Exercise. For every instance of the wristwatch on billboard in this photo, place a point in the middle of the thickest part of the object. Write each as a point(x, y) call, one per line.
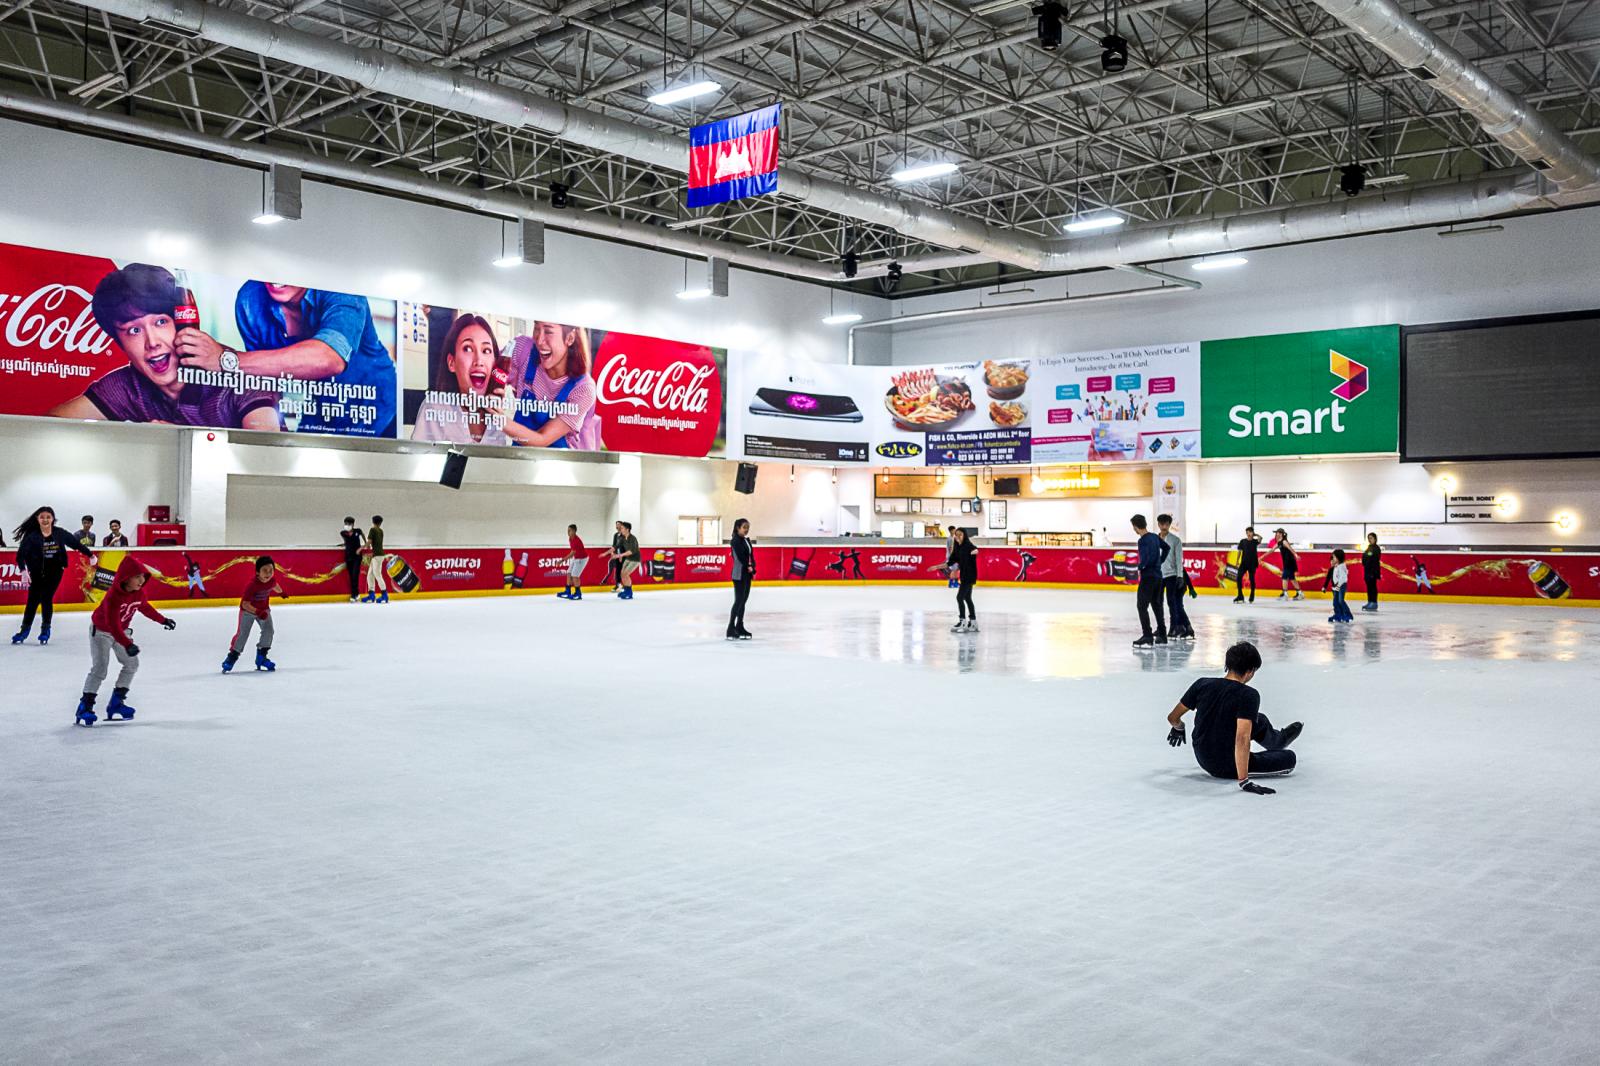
point(229, 361)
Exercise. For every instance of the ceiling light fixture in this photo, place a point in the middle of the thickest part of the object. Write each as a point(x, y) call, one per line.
point(1113, 53)
point(1211, 114)
point(1049, 33)
point(694, 294)
point(280, 195)
point(668, 97)
point(1388, 179)
point(1352, 179)
point(1094, 222)
point(843, 318)
point(444, 164)
point(925, 171)
point(1226, 262)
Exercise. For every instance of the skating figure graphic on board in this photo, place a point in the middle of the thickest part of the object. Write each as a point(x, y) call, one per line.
point(1423, 583)
point(197, 584)
point(854, 558)
point(1027, 561)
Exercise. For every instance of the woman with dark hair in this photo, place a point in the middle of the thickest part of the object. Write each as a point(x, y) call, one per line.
point(555, 402)
point(963, 566)
point(1372, 570)
point(1291, 562)
point(744, 571)
point(464, 407)
point(42, 548)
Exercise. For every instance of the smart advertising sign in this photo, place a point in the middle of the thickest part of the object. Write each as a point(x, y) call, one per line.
point(1324, 393)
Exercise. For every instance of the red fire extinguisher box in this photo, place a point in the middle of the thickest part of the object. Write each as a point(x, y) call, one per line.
point(156, 534)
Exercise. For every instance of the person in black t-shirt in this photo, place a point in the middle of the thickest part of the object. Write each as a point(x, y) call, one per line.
point(1249, 562)
point(1227, 718)
point(352, 539)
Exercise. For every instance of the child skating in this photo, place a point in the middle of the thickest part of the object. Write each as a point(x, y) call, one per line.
point(1339, 580)
point(110, 633)
point(255, 608)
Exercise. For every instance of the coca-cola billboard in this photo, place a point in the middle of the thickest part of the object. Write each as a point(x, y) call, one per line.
point(50, 347)
point(658, 396)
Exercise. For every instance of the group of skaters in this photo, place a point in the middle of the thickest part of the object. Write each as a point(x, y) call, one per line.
point(1336, 581)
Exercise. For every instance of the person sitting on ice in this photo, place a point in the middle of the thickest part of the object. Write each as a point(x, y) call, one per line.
point(1227, 717)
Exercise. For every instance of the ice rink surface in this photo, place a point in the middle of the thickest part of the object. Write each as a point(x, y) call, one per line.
point(526, 831)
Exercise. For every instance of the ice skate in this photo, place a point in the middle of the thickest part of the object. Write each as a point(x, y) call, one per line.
point(745, 634)
point(383, 597)
point(264, 663)
point(22, 635)
point(1143, 644)
point(44, 635)
point(86, 715)
point(371, 597)
point(227, 664)
point(118, 707)
point(972, 625)
point(960, 626)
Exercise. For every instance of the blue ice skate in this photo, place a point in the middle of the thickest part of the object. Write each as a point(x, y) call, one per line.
point(264, 663)
point(369, 598)
point(227, 664)
point(22, 635)
point(383, 597)
point(118, 707)
point(44, 635)
point(86, 715)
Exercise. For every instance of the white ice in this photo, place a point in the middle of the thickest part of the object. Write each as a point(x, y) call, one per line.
point(527, 831)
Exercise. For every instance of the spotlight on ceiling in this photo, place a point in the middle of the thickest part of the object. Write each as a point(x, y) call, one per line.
point(894, 272)
point(558, 195)
point(851, 262)
point(1352, 179)
point(1049, 16)
point(1113, 53)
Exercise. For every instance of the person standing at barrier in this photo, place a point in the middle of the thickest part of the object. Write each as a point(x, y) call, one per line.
point(1153, 551)
point(1372, 570)
point(576, 560)
point(962, 564)
point(744, 572)
point(1172, 580)
point(352, 540)
point(1249, 562)
point(255, 609)
point(377, 586)
point(42, 548)
point(116, 538)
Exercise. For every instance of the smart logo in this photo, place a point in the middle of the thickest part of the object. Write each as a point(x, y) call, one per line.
point(1263, 396)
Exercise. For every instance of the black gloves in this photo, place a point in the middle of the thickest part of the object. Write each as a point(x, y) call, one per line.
point(1261, 790)
point(132, 650)
point(1176, 736)
point(169, 625)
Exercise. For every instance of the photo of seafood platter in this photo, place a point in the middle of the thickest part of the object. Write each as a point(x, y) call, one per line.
point(923, 399)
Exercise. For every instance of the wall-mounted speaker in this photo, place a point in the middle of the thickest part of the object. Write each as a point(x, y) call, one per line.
point(455, 467)
point(745, 480)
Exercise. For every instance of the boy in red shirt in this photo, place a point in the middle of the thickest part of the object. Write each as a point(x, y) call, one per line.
point(255, 608)
point(110, 634)
point(576, 560)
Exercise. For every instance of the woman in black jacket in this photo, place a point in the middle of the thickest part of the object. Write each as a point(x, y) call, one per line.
point(42, 548)
point(963, 564)
point(744, 572)
point(1372, 570)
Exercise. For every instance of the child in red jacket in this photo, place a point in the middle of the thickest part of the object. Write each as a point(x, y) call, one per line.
point(110, 633)
point(255, 608)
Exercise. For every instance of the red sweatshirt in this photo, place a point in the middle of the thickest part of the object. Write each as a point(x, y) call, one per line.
point(257, 598)
point(116, 611)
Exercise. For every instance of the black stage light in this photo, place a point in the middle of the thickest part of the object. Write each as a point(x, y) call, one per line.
point(850, 262)
point(1049, 16)
point(1352, 179)
point(1113, 53)
point(893, 273)
point(558, 195)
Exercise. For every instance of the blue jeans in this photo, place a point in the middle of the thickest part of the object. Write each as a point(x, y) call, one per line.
point(1341, 610)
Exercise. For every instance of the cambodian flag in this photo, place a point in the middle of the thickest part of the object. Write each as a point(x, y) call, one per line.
point(734, 158)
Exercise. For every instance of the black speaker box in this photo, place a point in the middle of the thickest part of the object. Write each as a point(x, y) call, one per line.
point(455, 467)
point(745, 480)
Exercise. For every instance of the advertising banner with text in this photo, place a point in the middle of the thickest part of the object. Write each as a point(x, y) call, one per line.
point(1330, 392)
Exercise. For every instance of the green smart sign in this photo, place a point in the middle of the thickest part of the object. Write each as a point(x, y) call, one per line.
point(1323, 393)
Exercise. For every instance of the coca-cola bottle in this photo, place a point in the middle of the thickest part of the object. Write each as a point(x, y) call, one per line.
point(186, 310)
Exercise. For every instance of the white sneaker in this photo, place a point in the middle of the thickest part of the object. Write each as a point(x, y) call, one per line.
point(959, 627)
point(972, 625)
point(1299, 596)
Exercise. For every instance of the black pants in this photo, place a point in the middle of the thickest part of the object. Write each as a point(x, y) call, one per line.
point(1275, 760)
point(1150, 596)
point(352, 570)
point(1251, 574)
point(964, 600)
point(614, 573)
point(741, 594)
point(1372, 586)
point(1174, 588)
point(41, 597)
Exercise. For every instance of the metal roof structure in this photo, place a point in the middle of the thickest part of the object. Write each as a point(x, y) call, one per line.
point(1224, 107)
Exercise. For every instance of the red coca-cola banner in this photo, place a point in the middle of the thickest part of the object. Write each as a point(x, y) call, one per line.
point(657, 396)
point(220, 574)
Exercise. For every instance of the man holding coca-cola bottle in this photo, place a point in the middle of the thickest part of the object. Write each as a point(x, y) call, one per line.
point(146, 311)
point(312, 335)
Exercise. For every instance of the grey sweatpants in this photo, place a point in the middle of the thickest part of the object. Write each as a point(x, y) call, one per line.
point(101, 649)
point(241, 636)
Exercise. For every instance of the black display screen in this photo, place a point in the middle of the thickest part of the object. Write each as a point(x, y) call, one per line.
point(1507, 389)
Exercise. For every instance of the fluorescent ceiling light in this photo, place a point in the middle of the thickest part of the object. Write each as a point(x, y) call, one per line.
point(687, 223)
point(444, 164)
point(267, 218)
point(925, 171)
point(1094, 222)
point(1388, 179)
point(694, 294)
point(843, 318)
point(95, 86)
point(1210, 114)
point(1226, 262)
point(668, 97)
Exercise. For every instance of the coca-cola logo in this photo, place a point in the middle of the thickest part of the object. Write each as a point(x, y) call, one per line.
point(53, 316)
point(680, 386)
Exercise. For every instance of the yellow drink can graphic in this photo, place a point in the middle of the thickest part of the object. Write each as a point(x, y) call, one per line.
point(405, 579)
point(1546, 582)
point(1230, 572)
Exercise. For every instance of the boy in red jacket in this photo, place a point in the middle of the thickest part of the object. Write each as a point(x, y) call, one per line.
point(110, 633)
point(255, 608)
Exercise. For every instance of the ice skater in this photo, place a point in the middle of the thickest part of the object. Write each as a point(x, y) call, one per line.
point(255, 609)
point(614, 561)
point(352, 540)
point(377, 585)
point(1172, 577)
point(1372, 570)
point(1153, 552)
point(1339, 579)
point(42, 548)
point(962, 564)
point(1227, 717)
point(627, 555)
point(197, 581)
point(1249, 562)
point(1291, 563)
point(744, 572)
point(575, 560)
point(111, 633)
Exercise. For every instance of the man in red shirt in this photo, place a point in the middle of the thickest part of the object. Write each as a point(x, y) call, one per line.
point(110, 633)
point(255, 608)
point(576, 560)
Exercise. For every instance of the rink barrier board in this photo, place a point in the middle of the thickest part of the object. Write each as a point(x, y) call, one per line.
point(219, 575)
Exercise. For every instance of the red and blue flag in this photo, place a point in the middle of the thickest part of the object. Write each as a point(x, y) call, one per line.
point(734, 158)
